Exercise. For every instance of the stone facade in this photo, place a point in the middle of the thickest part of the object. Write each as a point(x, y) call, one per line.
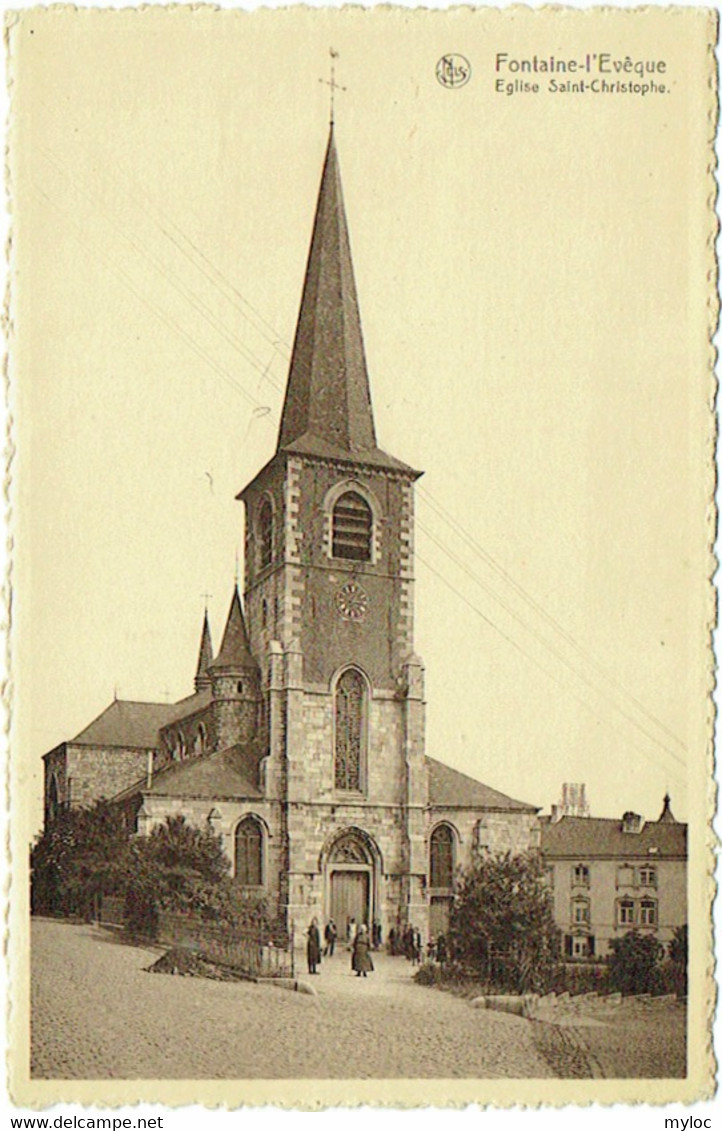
point(305, 739)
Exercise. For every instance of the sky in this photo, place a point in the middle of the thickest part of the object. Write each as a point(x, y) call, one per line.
point(531, 276)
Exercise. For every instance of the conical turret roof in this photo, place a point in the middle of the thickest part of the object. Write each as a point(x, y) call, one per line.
point(667, 817)
point(205, 653)
point(235, 651)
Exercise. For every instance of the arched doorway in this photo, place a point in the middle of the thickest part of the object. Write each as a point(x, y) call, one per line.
point(350, 880)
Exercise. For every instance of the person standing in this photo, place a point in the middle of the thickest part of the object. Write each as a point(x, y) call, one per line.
point(330, 935)
point(351, 932)
point(361, 961)
point(313, 946)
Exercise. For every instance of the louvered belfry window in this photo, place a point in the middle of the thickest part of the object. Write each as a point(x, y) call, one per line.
point(349, 707)
point(352, 528)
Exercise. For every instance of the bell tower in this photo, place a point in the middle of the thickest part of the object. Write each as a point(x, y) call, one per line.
point(329, 577)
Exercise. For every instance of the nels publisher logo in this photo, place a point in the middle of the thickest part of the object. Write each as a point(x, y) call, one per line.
point(453, 71)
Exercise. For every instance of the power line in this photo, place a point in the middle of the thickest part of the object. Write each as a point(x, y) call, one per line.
point(550, 647)
point(550, 675)
point(541, 611)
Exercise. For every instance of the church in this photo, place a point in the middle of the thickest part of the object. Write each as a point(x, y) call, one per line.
point(303, 743)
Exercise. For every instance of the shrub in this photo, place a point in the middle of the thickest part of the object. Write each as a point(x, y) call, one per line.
point(634, 964)
point(502, 924)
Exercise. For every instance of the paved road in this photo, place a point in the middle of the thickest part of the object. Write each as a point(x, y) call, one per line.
point(97, 1014)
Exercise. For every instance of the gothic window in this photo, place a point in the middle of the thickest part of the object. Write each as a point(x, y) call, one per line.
point(442, 857)
point(265, 531)
point(199, 742)
point(352, 528)
point(249, 853)
point(53, 800)
point(264, 612)
point(350, 701)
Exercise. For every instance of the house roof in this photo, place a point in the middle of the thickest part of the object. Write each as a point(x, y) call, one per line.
point(230, 773)
point(602, 836)
point(126, 723)
point(453, 790)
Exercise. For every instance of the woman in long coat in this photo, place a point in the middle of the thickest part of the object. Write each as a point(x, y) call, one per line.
point(313, 947)
point(361, 960)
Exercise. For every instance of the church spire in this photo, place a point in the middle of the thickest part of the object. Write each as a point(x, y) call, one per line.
point(328, 398)
point(235, 652)
point(205, 656)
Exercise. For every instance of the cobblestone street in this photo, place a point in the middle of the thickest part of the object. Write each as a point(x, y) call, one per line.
point(97, 1014)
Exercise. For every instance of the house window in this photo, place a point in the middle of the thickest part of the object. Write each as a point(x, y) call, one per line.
point(625, 876)
point(580, 911)
point(249, 853)
point(648, 913)
point(352, 528)
point(625, 912)
point(265, 531)
point(442, 857)
point(349, 708)
point(580, 875)
point(582, 947)
point(648, 877)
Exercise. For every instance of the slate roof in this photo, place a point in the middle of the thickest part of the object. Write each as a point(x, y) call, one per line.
point(327, 410)
point(227, 774)
point(126, 723)
point(453, 790)
point(603, 837)
point(205, 652)
point(235, 649)
point(188, 706)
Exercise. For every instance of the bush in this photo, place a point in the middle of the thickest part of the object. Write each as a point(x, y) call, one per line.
point(634, 964)
point(502, 923)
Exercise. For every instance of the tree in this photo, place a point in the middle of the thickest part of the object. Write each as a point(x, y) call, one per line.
point(678, 949)
point(502, 923)
point(80, 855)
point(634, 963)
point(177, 867)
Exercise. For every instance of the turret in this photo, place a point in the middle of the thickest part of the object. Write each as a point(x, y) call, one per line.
point(235, 680)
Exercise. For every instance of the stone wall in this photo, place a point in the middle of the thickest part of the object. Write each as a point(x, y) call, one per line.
point(87, 773)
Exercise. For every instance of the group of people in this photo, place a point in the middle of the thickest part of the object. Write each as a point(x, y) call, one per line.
point(360, 943)
point(358, 940)
point(409, 943)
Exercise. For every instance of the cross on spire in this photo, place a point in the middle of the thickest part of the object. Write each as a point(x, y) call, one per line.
point(332, 82)
point(206, 598)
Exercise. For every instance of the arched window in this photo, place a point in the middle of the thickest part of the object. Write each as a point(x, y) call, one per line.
point(442, 857)
point(352, 528)
point(199, 742)
point(265, 531)
point(349, 706)
point(53, 799)
point(249, 853)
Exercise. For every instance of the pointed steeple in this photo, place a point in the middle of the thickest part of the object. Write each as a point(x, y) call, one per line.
point(328, 398)
point(235, 652)
point(205, 656)
point(667, 817)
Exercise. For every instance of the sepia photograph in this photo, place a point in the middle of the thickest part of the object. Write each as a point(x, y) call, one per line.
point(361, 493)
